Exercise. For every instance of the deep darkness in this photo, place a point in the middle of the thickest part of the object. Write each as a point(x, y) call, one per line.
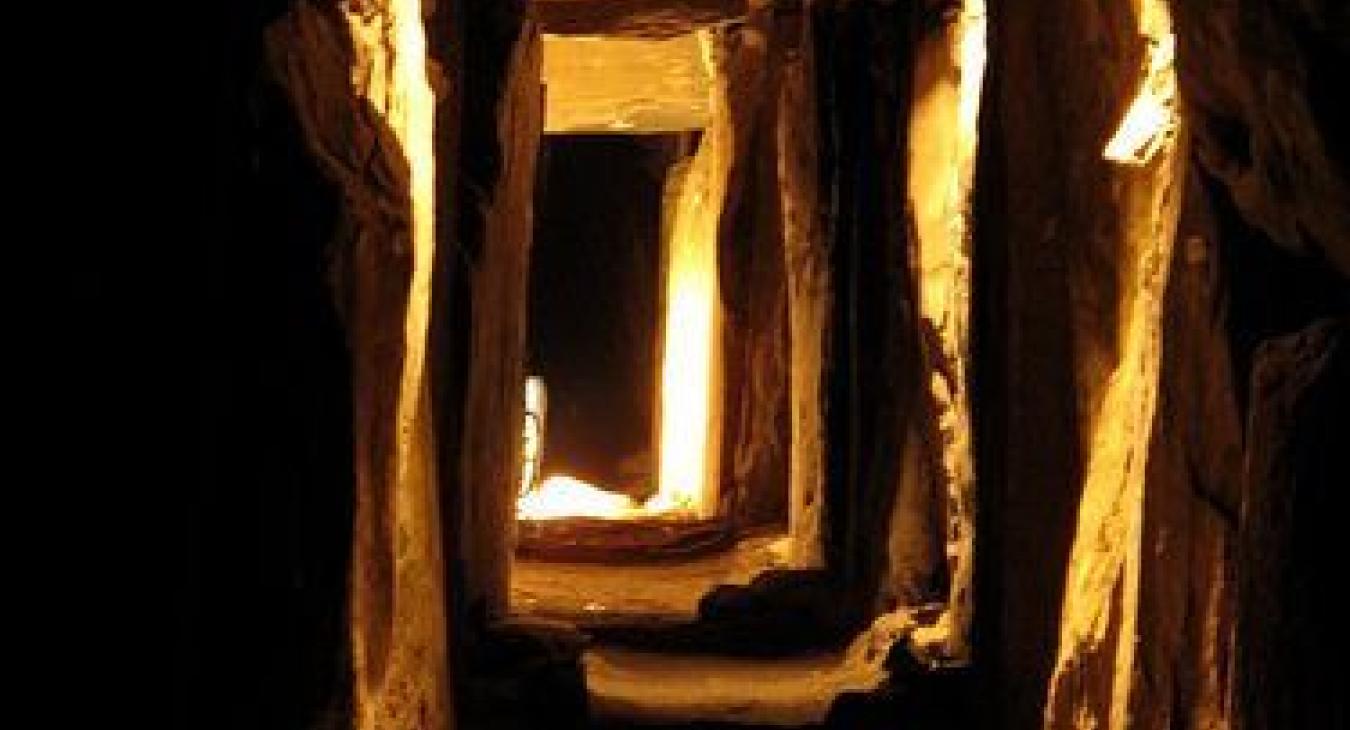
point(270, 527)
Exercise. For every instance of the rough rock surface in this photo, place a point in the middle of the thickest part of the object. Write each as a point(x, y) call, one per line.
point(1262, 81)
point(1085, 246)
point(1124, 567)
point(1148, 561)
point(750, 267)
point(497, 225)
point(939, 492)
point(1188, 591)
point(1289, 627)
point(805, 265)
point(641, 18)
point(269, 487)
point(872, 363)
point(625, 85)
point(359, 87)
point(527, 674)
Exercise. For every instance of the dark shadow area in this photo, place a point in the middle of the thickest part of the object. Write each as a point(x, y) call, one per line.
point(1270, 290)
point(989, 388)
point(272, 509)
point(1312, 590)
point(862, 58)
point(1290, 622)
point(1029, 462)
point(780, 613)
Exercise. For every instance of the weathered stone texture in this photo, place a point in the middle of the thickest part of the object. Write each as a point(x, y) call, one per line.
point(359, 86)
point(498, 228)
point(1188, 577)
point(1263, 82)
point(1293, 493)
point(948, 71)
point(639, 18)
point(1087, 252)
point(626, 85)
point(805, 265)
point(755, 343)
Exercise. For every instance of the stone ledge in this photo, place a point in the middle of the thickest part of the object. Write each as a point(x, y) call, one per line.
point(636, 18)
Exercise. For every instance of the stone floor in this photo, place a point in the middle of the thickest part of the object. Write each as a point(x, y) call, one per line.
point(641, 682)
point(594, 594)
point(649, 687)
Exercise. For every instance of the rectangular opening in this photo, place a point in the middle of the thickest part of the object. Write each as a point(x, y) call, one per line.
point(594, 324)
point(624, 511)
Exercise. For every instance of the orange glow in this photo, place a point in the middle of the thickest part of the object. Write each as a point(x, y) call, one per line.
point(565, 496)
point(690, 358)
point(562, 496)
point(1101, 608)
point(612, 84)
point(690, 354)
point(944, 134)
point(689, 379)
point(690, 363)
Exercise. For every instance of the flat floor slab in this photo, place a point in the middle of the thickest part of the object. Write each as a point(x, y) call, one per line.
point(597, 594)
point(649, 687)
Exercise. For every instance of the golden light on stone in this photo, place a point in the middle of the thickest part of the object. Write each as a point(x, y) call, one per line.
point(617, 85)
point(943, 128)
point(1100, 610)
point(1151, 117)
point(689, 360)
